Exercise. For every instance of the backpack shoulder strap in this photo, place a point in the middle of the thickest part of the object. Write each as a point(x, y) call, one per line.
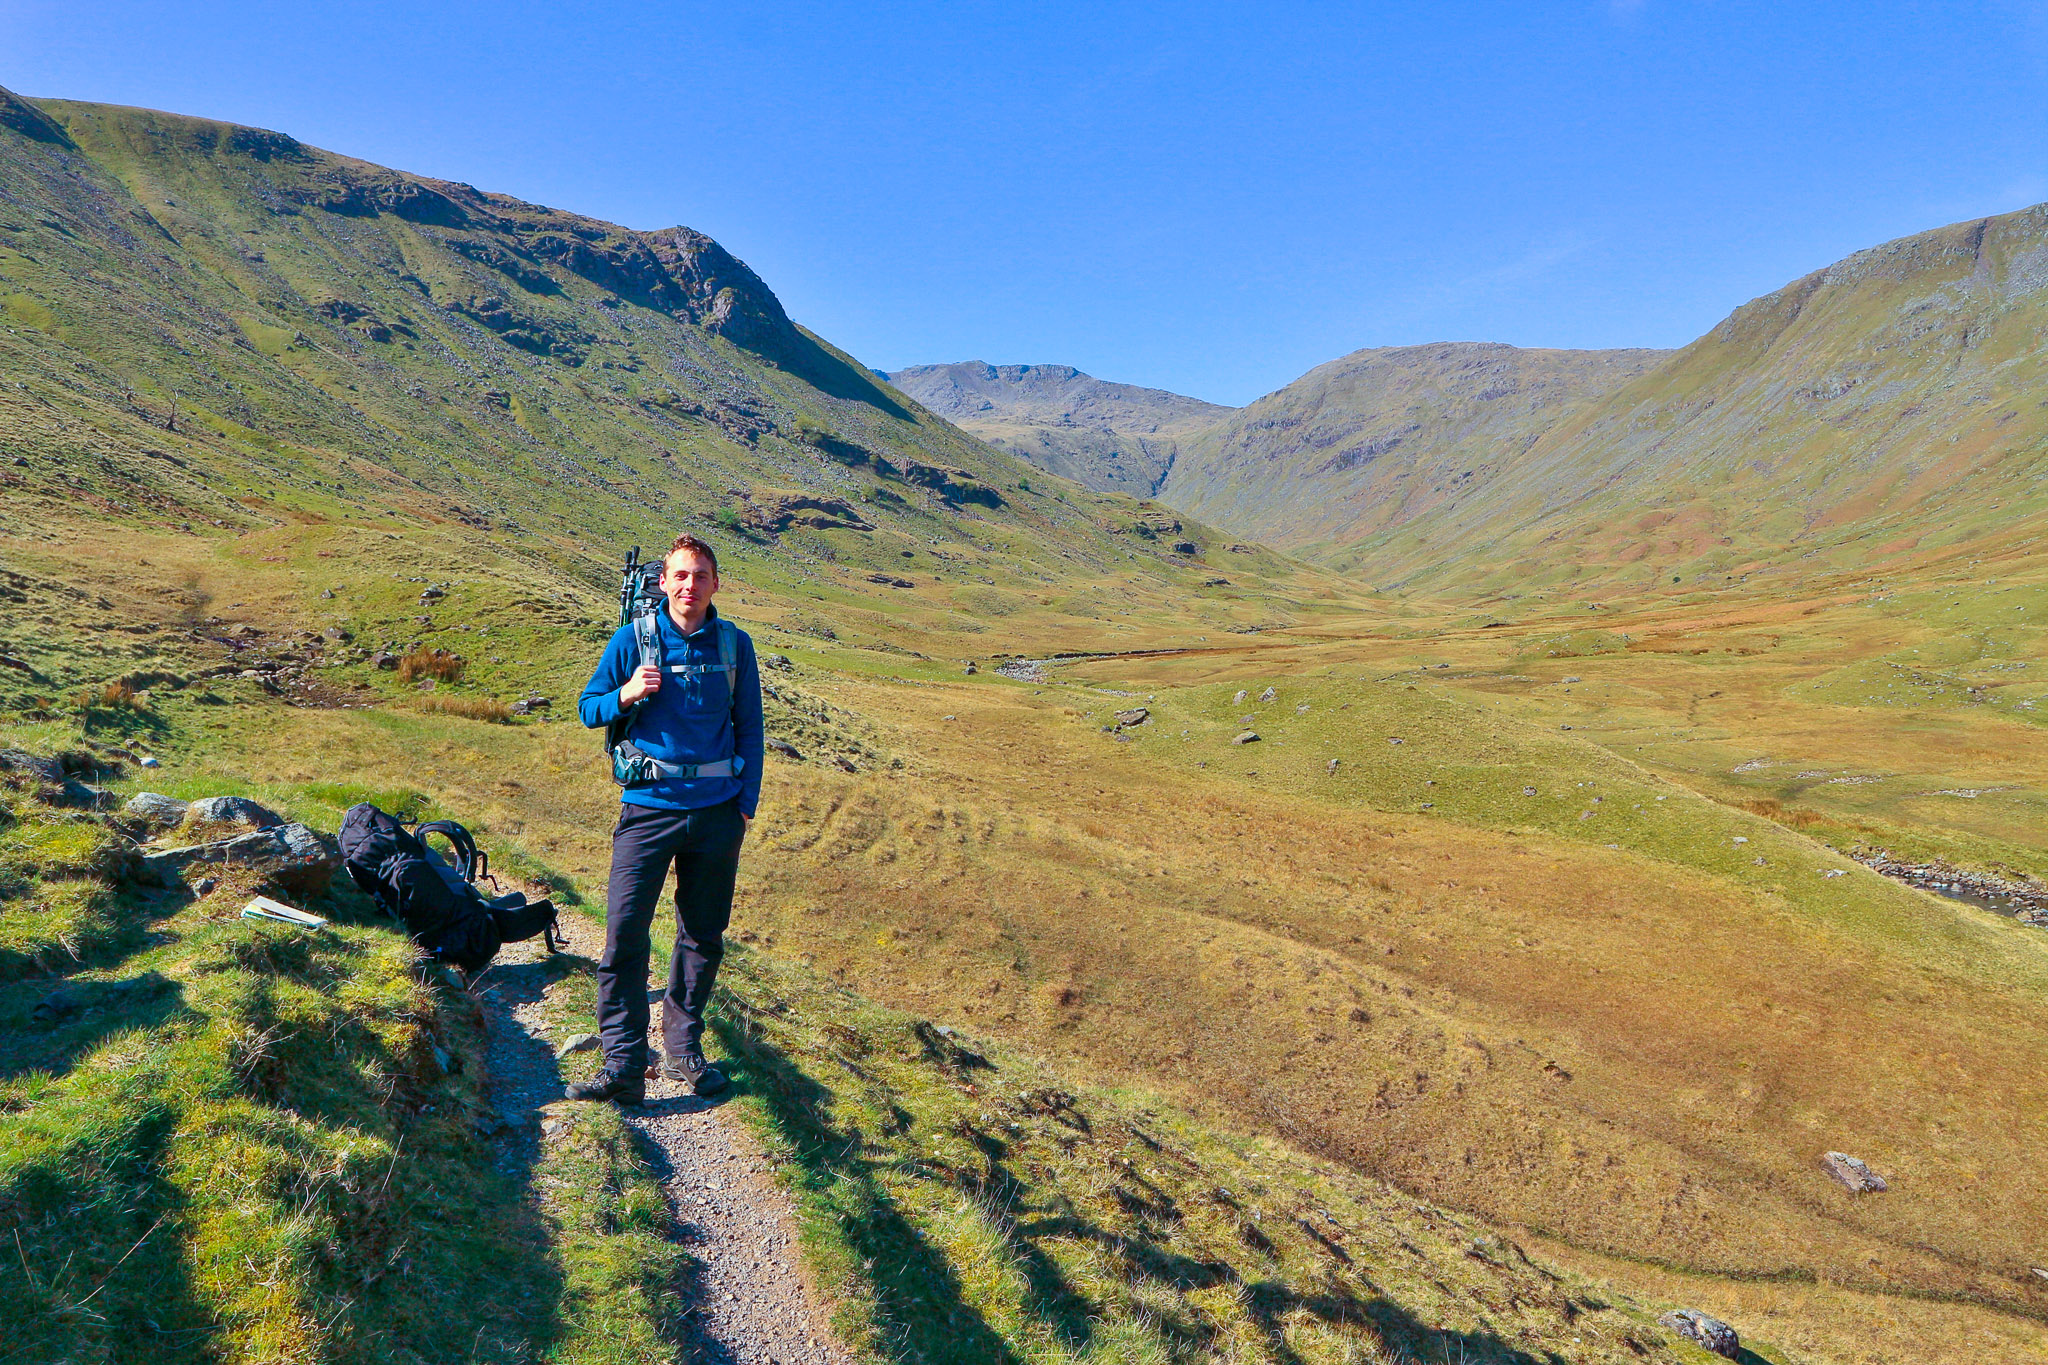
point(647, 635)
point(469, 861)
point(729, 657)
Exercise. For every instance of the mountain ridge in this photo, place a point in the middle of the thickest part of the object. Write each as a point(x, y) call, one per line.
point(1870, 411)
point(1874, 408)
point(1455, 412)
point(223, 328)
point(1103, 435)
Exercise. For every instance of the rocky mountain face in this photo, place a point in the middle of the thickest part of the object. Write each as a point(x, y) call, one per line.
point(219, 326)
point(1110, 437)
point(1886, 407)
point(1385, 435)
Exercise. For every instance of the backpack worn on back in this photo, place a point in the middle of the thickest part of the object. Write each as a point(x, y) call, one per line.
point(639, 600)
point(436, 900)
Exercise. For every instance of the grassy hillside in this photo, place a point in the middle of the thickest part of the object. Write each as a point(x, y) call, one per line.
point(224, 1140)
point(1111, 437)
point(1384, 436)
point(1869, 415)
point(1478, 965)
point(219, 333)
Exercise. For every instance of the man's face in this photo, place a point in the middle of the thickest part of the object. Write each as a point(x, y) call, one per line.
point(688, 581)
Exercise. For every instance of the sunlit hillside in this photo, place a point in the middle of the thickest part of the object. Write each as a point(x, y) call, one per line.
point(1151, 947)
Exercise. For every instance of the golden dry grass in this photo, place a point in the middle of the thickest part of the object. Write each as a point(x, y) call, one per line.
point(469, 708)
point(1640, 1049)
point(1630, 1052)
point(438, 664)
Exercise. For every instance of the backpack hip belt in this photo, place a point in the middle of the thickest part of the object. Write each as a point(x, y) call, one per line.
point(645, 767)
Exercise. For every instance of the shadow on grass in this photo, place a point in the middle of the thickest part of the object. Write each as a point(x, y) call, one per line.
point(99, 1270)
point(48, 1026)
point(1000, 1194)
point(1403, 1332)
point(450, 1239)
point(802, 355)
point(124, 722)
point(113, 929)
point(920, 1311)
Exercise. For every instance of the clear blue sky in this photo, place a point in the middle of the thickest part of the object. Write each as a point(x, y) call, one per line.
point(1210, 198)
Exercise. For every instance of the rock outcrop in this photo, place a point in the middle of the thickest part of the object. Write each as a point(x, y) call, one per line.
point(157, 811)
point(818, 511)
point(234, 810)
point(1701, 1330)
point(1853, 1174)
point(294, 856)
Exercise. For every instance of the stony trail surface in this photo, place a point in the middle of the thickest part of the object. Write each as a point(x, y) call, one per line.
point(749, 1301)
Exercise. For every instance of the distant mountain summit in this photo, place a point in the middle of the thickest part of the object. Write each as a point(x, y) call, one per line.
point(1114, 438)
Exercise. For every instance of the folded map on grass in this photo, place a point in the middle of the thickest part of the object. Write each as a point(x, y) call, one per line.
point(263, 907)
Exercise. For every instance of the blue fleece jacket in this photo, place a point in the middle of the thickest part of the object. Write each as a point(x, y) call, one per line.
point(691, 719)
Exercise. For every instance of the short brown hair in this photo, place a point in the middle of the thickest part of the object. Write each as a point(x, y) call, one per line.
point(686, 541)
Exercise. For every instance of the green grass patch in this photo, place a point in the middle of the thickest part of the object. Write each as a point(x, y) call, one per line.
point(240, 1141)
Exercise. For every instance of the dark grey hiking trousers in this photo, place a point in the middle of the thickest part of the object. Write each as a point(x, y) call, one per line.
point(703, 847)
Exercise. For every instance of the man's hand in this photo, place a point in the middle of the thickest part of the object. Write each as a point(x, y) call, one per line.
point(645, 682)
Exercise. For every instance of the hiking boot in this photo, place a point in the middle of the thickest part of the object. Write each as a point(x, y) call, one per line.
point(692, 1070)
point(621, 1085)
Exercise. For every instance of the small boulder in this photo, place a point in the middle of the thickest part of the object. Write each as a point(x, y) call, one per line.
point(846, 764)
point(1137, 715)
point(384, 659)
point(574, 1043)
point(234, 810)
point(1248, 737)
point(297, 858)
point(1268, 695)
point(1853, 1174)
point(337, 635)
point(156, 810)
point(1333, 765)
point(785, 748)
point(779, 662)
point(430, 593)
point(50, 782)
point(970, 670)
point(1238, 700)
point(56, 1007)
point(1711, 1333)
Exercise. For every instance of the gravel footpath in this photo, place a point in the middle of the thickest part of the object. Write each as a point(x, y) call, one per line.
point(750, 1303)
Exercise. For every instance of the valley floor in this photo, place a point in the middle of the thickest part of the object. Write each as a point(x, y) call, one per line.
point(1554, 924)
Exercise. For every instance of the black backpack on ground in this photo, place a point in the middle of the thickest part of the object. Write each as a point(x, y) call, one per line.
point(436, 900)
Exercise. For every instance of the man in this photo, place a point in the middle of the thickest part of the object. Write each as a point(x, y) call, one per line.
point(701, 724)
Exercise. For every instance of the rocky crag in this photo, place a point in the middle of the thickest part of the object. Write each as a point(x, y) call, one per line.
point(1115, 438)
